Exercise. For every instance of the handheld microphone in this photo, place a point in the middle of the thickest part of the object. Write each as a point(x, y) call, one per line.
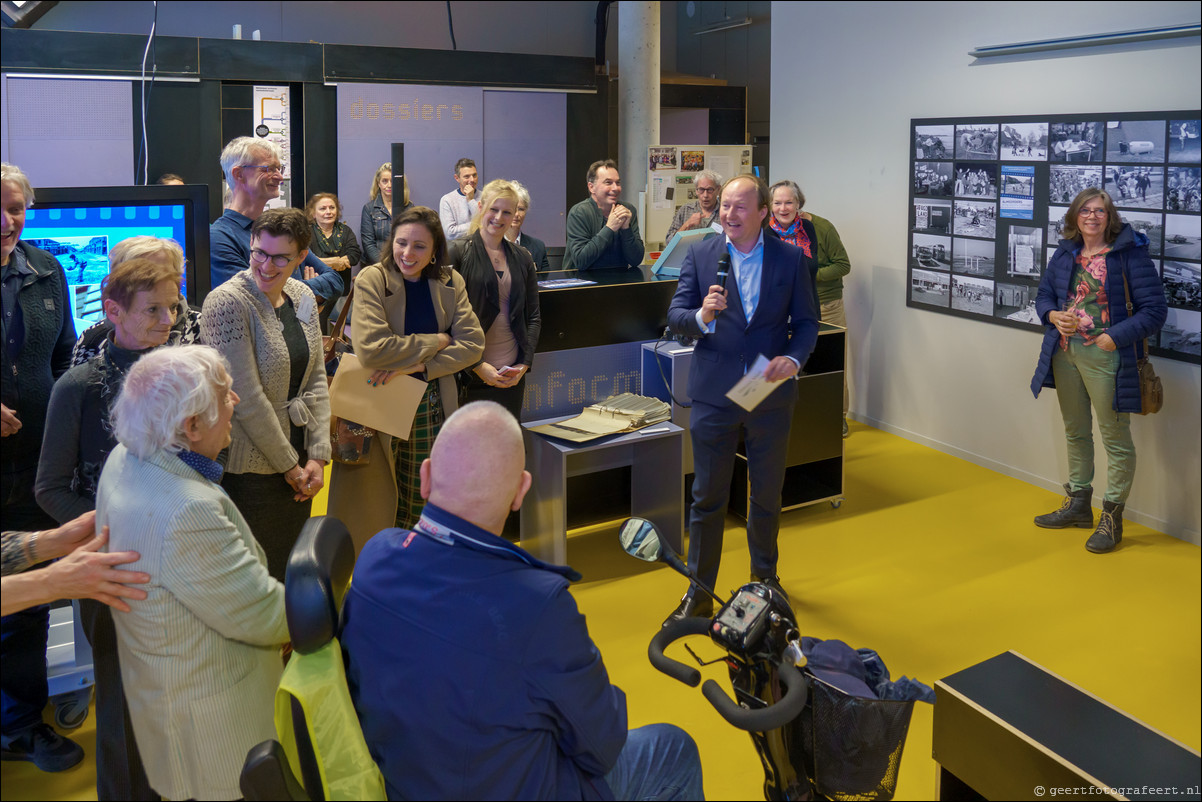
point(723, 272)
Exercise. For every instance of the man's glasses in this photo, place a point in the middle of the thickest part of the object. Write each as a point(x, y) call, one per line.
point(267, 168)
point(259, 256)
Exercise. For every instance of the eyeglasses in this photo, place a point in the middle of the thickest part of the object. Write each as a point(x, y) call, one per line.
point(267, 168)
point(707, 190)
point(260, 256)
point(1092, 213)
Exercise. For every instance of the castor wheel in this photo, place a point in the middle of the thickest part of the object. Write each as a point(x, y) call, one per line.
point(71, 710)
point(836, 503)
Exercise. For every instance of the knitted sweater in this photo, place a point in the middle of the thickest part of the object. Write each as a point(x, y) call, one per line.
point(831, 256)
point(241, 323)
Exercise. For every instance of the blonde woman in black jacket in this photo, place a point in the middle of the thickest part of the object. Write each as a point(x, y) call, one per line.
point(503, 290)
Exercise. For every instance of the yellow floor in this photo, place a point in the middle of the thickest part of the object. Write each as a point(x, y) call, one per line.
point(933, 562)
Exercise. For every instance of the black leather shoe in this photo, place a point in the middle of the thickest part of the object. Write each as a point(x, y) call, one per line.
point(691, 607)
point(772, 582)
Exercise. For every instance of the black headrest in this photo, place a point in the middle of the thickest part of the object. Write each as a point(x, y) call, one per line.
point(319, 572)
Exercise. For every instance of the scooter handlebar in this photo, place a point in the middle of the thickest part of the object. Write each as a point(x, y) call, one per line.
point(674, 632)
point(768, 718)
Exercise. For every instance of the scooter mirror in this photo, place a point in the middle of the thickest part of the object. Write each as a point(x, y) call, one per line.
point(639, 538)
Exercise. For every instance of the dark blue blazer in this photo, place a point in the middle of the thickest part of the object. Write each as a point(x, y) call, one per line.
point(784, 323)
point(538, 252)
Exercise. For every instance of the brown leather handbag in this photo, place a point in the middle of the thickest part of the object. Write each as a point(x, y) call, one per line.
point(1151, 392)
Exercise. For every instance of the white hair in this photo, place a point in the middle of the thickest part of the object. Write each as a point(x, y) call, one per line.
point(711, 175)
point(238, 152)
point(523, 193)
point(12, 173)
point(162, 391)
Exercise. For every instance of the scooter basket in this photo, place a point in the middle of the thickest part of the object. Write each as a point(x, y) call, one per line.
point(853, 746)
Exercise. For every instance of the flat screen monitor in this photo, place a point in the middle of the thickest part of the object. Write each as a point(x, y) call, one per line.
point(79, 226)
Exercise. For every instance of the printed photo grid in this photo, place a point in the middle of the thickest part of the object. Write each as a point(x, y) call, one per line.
point(988, 198)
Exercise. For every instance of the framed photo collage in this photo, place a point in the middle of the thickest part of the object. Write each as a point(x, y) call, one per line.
point(988, 197)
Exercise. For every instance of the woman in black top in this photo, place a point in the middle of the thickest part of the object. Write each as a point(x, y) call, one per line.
point(375, 224)
point(503, 290)
point(333, 243)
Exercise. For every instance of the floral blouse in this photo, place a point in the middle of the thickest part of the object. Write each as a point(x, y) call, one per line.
point(1089, 302)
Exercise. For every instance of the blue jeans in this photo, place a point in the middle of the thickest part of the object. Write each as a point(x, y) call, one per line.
point(659, 761)
point(1085, 377)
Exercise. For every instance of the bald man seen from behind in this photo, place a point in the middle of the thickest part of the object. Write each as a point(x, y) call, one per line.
point(488, 685)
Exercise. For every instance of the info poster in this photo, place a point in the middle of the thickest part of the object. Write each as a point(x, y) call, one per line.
point(272, 122)
point(1018, 191)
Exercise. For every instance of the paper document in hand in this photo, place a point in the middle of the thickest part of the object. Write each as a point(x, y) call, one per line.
point(387, 408)
point(753, 387)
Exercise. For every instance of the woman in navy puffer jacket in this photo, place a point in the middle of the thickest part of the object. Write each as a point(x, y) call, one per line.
point(1090, 349)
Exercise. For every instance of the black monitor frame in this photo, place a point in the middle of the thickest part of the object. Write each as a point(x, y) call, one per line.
point(194, 198)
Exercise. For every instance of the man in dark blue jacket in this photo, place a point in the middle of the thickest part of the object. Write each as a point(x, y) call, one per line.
point(767, 307)
point(470, 667)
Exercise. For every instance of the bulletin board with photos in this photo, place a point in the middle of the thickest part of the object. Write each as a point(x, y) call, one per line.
point(988, 197)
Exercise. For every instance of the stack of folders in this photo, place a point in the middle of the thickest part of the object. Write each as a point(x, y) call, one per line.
point(615, 415)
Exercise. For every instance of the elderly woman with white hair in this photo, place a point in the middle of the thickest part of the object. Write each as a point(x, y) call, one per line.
point(700, 213)
point(186, 329)
point(200, 655)
point(533, 245)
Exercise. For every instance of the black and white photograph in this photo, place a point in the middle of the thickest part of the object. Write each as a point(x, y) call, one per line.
point(1184, 190)
point(934, 141)
point(1016, 302)
point(930, 288)
point(1150, 224)
point(977, 141)
point(1077, 142)
point(1138, 141)
point(1184, 145)
point(975, 218)
point(87, 304)
point(1024, 142)
point(932, 216)
point(972, 256)
point(1182, 237)
point(1182, 332)
point(1022, 252)
point(975, 180)
point(970, 294)
point(85, 260)
point(663, 158)
point(1181, 285)
point(931, 252)
point(1066, 182)
point(1056, 224)
point(1141, 187)
point(933, 179)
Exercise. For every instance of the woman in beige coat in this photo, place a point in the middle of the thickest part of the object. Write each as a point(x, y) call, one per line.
point(411, 315)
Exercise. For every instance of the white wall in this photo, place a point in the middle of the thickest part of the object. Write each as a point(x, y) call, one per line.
point(841, 129)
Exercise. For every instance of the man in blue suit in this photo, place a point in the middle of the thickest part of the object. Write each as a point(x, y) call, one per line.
point(766, 307)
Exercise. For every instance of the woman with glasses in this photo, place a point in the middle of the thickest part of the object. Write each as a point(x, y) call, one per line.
point(818, 238)
point(266, 324)
point(1100, 297)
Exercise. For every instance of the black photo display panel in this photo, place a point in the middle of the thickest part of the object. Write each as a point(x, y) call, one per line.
point(988, 197)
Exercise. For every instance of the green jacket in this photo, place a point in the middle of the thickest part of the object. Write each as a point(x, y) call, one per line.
point(592, 245)
point(833, 263)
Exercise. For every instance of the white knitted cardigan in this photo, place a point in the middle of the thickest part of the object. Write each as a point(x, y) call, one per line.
point(241, 323)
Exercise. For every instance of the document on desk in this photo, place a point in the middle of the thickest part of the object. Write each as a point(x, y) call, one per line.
point(753, 387)
point(387, 408)
point(619, 413)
